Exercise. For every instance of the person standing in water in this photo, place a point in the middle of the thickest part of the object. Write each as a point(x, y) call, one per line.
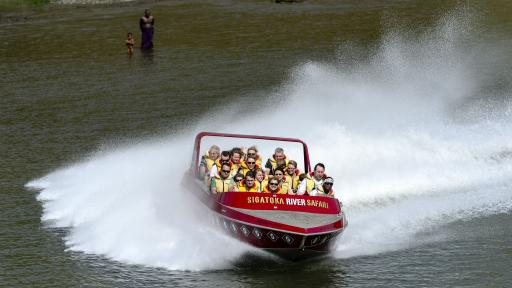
point(146, 24)
point(130, 42)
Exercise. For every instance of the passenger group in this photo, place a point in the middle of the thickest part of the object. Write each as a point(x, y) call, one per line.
point(242, 171)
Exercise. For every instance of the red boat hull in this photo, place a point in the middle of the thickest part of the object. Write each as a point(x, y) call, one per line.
point(291, 226)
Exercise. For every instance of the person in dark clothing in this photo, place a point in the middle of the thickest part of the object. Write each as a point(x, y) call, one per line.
point(146, 24)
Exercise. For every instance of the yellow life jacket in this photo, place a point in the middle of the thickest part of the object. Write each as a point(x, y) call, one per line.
point(323, 194)
point(217, 163)
point(310, 184)
point(221, 185)
point(273, 162)
point(233, 167)
point(262, 184)
point(258, 160)
point(209, 162)
point(293, 180)
point(246, 169)
point(284, 185)
point(279, 190)
point(242, 188)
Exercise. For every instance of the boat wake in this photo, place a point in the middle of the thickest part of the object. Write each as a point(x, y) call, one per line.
point(411, 137)
point(128, 205)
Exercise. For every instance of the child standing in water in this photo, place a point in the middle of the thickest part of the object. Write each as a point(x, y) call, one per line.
point(130, 42)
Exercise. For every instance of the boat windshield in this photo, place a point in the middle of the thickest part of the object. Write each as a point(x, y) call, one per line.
point(294, 149)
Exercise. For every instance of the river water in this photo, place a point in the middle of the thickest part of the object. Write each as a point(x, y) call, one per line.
point(406, 102)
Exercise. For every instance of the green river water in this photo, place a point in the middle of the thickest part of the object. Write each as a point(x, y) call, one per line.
point(70, 97)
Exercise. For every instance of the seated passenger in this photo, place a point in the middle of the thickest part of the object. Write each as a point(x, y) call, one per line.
point(278, 159)
point(326, 190)
point(249, 165)
point(313, 180)
point(248, 184)
point(284, 185)
point(236, 157)
point(238, 178)
point(302, 176)
point(208, 160)
point(222, 182)
point(261, 179)
point(253, 152)
point(273, 186)
point(225, 157)
point(292, 175)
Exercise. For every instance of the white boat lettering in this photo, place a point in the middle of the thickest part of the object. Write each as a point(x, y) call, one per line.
point(298, 202)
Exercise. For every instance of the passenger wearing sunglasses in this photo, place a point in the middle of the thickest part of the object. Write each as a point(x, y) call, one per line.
point(273, 186)
point(225, 158)
point(326, 190)
point(279, 174)
point(222, 182)
point(248, 165)
point(253, 152)
point(248, 184)
point(238, 178)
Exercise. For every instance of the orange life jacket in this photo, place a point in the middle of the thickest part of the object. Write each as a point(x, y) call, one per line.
point(243, 188)
point(273, 162)
point(232, 167)
point(279, 190)
point(246, 168)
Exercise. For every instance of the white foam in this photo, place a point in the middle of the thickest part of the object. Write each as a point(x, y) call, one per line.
point(128, 205)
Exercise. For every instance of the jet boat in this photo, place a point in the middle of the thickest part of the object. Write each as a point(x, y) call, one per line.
point(291, 226)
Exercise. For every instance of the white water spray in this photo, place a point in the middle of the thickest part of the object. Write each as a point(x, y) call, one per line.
point(384, 129)
point(128, 205)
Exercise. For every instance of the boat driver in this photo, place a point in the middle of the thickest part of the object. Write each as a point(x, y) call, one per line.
point(313, 180)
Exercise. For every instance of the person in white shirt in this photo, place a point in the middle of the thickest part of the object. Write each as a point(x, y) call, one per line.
point(313, 180)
